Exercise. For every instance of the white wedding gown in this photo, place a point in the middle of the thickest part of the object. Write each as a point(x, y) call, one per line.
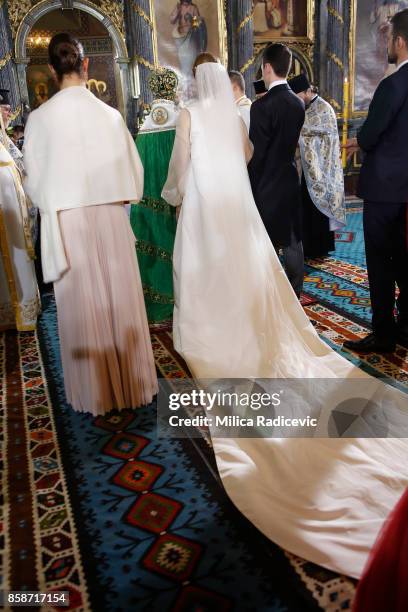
point(236, 316)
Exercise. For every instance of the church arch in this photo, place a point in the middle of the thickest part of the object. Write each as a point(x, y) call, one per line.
point(46, 6)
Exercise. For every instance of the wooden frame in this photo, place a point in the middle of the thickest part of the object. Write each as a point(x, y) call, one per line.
point(352, 59)
point(276, 34)
point(164, 49)
point(353, 67)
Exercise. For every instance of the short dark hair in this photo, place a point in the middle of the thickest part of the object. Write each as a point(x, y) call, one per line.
point(65, 54)
point(279, 57)
point(18, 128)
point(400, 25)
point(237, 79)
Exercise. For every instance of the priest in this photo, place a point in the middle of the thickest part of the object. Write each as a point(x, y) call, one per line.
point(153, 220)
point(323, 200)
point(19, 298)
point(12, 148)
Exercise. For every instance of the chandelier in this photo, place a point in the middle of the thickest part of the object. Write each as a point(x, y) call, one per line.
point(38, 42)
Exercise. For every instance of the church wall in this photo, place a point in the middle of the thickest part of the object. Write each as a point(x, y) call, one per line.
point(8, 73)
point(97, 45)
point(140, 41)
point(331, 40)
point(139, 28)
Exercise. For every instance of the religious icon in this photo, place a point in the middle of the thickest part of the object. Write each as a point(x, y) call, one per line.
point(379, 19)
point(260, 22)
point(282, 19)
point(40, 84)
point(369, 62)
point(273, 13)
point(183, 30)
point(41, 94)
point(189, 34)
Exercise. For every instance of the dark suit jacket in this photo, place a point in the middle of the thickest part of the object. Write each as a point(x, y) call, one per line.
point(384, 138)
point(276, 121)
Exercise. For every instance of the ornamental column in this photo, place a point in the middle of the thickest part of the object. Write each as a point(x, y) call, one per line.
point(140, 40)
point(8, 75)
point(335, 54)
point(241, 40)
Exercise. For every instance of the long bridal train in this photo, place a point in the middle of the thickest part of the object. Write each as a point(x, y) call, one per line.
point(237, 316)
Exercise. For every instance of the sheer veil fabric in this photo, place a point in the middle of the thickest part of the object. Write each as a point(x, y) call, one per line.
point(236, 316)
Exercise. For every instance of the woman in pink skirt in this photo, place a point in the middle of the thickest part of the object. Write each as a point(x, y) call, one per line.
point(82, 166)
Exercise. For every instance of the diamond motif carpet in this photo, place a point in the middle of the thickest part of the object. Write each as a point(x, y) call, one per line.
point(337, 298)
point(104, 510)
point(123, 521)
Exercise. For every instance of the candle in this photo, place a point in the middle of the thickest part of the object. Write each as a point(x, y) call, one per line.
point(346, 91)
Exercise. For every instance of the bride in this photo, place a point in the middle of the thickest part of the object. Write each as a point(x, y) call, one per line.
point(236, 316)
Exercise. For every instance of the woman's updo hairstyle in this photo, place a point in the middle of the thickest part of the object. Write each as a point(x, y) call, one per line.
point(65, 54)
point(204, 58)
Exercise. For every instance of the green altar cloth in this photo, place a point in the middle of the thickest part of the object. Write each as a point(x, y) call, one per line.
point(154, 225)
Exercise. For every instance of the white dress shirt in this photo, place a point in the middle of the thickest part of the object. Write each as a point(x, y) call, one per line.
point(276, 83)
point(402, 64)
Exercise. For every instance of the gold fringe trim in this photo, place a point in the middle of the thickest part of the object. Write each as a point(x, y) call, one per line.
point(20, 328)
point(144, 62)
point(8, 268)
point(247, 64)
point(5, 60)
point(246, 20)
point(18, 184)
point(335, 59)
point(332, 11)
point(24, 212)
point(16, 113)
point(138, 9)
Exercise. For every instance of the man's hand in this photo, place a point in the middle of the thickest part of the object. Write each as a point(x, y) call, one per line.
point(351, 147)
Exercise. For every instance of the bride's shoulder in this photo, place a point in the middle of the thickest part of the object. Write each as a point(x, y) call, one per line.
point(190, 105)
point(186, 112)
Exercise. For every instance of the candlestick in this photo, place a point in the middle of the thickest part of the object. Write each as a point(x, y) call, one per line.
point(346, 92)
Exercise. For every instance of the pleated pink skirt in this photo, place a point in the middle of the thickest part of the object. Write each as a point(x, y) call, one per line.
point(106, 352)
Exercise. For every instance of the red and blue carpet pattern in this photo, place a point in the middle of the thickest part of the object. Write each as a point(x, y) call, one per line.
point(337, 298)
point(39, 542)
point(123, 521)
point(101, 508)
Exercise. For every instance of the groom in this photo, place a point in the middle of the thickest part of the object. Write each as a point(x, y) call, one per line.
point(276, 121)
point(383, 186)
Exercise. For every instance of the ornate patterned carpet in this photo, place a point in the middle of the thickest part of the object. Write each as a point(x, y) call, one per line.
point(104, 510)
point(338, 299)
point(123, 521)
